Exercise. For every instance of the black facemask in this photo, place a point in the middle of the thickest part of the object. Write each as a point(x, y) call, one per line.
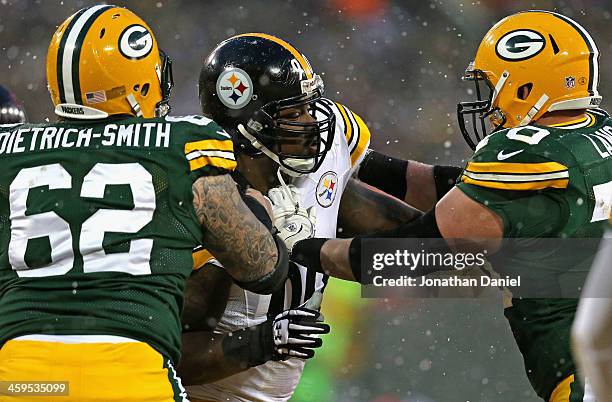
point(474, 113)
point(273, 131)
point(167, 82)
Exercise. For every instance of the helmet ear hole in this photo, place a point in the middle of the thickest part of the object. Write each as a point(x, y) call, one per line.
point(524, 90)
point(102, 32)
point(145, 89)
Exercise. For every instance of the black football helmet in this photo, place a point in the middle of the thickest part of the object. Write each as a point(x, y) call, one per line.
point(255, 85)
point(11, 111)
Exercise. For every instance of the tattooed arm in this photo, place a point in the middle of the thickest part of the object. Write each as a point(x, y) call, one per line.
point(232, 234)
point(210, 356)
point(365, 209)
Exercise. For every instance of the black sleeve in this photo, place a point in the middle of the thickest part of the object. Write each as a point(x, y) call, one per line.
point(445, 178)
point(389, 175)
point(385, 173)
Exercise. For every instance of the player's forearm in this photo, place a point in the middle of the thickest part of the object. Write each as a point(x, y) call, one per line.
point(206, 294)
point(236, 238)
point(335, 259)
point(341, 258)
point(365, 209)
point(204, 360)
point(210, 357)
point(329, 256)
point(419, 184)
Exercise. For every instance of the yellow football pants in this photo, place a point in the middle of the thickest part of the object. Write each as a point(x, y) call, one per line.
point(96, 372)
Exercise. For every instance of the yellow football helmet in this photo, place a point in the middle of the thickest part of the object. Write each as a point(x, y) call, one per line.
point(533, 62)
point(104, 61)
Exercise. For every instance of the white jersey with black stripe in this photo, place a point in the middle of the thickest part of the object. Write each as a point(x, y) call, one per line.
point(322, 190)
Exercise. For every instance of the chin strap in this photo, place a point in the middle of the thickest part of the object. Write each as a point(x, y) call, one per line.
point(134, 104)
point(500, 85)
point(285, 188)
point(534, 110)
point(258, 145)
point(261, 147)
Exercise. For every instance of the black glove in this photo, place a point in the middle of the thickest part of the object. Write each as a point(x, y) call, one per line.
point(292, 333)
point(296, 333)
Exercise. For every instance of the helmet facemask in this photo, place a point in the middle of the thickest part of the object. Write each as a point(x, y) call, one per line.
point(474, 113)
point(299, 147)
point(166, 81)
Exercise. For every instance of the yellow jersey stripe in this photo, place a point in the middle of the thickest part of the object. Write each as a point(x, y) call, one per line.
point(362, 142)
point(213, 161)
point(517, 168)
point(588, 121)
point(593, 120)
point(201, 257)
point(563, 390)
point(570, 123)
point(348, 124)
point(532, 185)
point(298, 56)
point(209, 145)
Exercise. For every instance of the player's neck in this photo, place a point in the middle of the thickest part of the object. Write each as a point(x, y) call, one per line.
point(260, 172)
point(560, 117)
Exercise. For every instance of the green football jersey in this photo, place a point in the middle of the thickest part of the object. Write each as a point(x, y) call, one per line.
point(98, 225)
point(546, 182)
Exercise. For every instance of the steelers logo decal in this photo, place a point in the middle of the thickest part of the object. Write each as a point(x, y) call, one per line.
point(327, 189)
point(235, 88)
point(135, 42)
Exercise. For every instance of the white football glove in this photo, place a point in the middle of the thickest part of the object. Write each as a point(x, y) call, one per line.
point(293, 222)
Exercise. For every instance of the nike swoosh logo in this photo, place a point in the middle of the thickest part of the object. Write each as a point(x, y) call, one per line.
point(501, 155)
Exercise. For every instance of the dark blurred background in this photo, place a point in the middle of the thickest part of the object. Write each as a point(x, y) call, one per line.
point(397, 64)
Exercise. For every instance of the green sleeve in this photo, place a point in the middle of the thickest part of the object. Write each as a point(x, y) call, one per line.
point(207, 147)
point(524, 214)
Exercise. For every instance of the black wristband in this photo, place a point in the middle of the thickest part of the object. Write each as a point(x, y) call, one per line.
point(308, 253)
point(272, 281)
point(385, 173)
point(258, 210)
point(250, 346)
point(445, 178)
point(424, 227)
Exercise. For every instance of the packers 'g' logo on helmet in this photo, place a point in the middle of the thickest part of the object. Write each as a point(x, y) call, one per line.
point(529, 63)
point(520, 45)
point(104, 61)
point(135, 42)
